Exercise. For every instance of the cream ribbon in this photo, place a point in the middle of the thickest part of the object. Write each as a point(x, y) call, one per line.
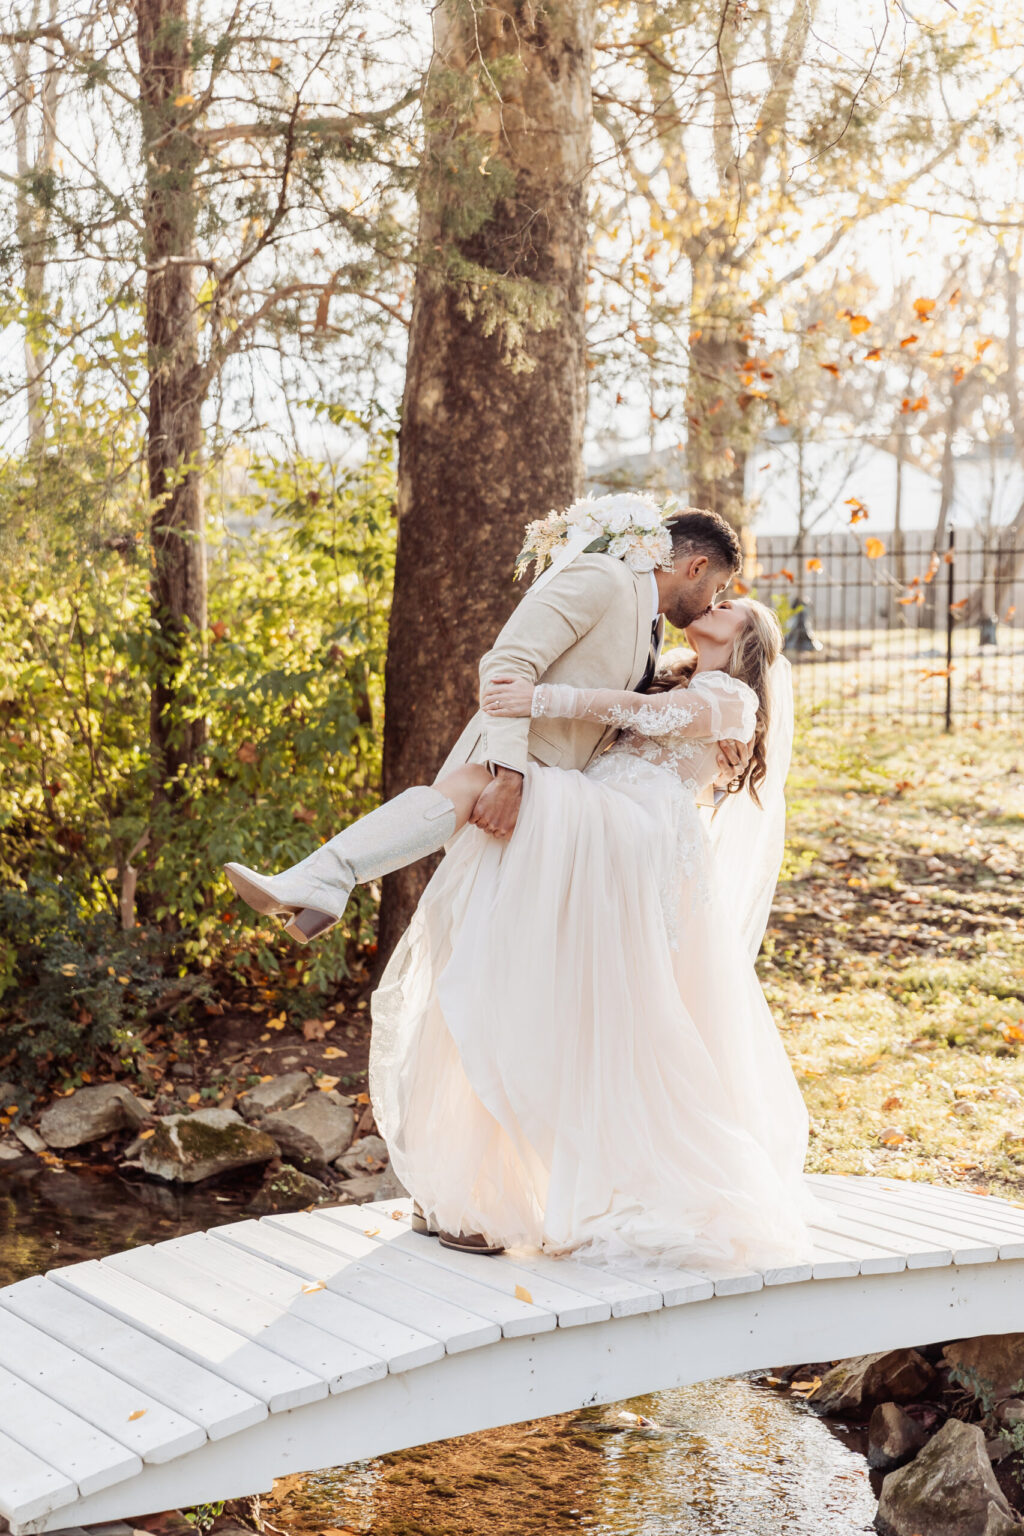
point(574, 545)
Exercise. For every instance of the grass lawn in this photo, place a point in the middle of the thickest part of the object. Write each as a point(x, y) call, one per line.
point(894, 961)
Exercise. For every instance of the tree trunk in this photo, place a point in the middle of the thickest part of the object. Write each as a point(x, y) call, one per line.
point(174, 440)
point(931, 613)
point(485, 447)
point(35, 162)
point(718, 433)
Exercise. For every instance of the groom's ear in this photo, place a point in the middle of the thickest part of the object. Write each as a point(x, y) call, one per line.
point(695, 567)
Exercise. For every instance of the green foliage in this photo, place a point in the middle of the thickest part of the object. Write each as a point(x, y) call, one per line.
point(79, 986)
point(288, 678)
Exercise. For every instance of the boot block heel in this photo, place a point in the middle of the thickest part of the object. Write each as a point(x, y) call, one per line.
point(308, 924)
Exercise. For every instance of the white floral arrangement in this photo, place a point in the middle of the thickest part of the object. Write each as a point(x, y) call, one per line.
point(628, 525)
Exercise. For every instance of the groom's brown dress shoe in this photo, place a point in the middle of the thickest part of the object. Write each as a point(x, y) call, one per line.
point(468, 1242)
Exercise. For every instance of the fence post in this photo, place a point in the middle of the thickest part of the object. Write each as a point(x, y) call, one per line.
point(949, 630)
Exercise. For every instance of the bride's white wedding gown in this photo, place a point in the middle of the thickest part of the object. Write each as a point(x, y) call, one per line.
point(571, 1048)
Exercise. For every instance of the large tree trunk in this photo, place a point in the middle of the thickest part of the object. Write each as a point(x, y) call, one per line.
point(174, 442)
point(718, 434)
point(485, 446)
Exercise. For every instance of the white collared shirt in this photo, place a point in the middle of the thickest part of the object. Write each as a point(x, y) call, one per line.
point(655, 599)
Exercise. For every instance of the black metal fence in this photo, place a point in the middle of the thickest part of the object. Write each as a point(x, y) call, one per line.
point(889, 628)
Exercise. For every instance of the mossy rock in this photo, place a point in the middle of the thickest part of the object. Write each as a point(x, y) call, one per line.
point(186, 1149)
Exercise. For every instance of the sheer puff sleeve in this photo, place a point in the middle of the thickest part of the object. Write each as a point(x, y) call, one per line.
point(715, 707)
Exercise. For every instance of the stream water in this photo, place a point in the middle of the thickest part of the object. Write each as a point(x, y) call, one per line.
point(722, 1458)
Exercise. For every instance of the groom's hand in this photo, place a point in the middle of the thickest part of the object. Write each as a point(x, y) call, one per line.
point(733, 757)
point(497, 808)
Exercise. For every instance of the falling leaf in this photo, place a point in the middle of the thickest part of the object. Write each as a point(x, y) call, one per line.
point(955, 607)
point(954, 298)
point(933, 566)
point(873, 356)
point(522, 1294)
point(184, 101)
point(274, 64)
point(314, 1285)
point(830, 368)
point(908, 341)
point(1010, 612)
point(939, 672)
point(911, 597)
point(740, 587)
point(958, 374)
point(923, 308)
point(814, 565)
point(137, 1415)
point(860, 511)
point(859, 324)
point(980, 346)
point(371, 1231)
point(874, 549)
point(892, 1137)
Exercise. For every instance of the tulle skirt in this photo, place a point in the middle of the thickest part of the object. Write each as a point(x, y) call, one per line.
point(571, 1049)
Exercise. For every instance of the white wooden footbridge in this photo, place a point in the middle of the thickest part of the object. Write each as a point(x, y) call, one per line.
point(202, 1368)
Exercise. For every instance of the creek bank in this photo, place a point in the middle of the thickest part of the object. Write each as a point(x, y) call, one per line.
point(944, 1426)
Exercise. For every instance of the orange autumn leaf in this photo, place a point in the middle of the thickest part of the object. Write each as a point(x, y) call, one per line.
point(788, 574)
point(859, 324)
point(138, 1414)
point(939, 672)
point(892, 1137)
point(522, 1294)
point(908, 341)
point(955, 607)
point(873, 356)
point(1010, 612)
point(954, 298)
point(362, 1098)
point(1013, 1032)
point(860, 511)
point(830, 368)
point(923, 308)
point(874, 549)
point(929, 575)
point(958, 374)
point(814, 565)
point(912, 597)
point(979, 346)
point(740, 587)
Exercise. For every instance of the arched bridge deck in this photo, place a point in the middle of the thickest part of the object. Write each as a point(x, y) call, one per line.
point(202, 1368)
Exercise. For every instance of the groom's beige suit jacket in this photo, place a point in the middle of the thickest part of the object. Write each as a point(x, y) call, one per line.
point(589, 626)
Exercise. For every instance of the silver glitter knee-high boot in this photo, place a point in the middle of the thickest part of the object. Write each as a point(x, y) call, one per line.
point(313, 894)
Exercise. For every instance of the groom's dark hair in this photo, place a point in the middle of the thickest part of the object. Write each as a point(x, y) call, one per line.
point(696, 532)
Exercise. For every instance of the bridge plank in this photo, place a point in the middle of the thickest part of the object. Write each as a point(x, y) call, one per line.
point(569, 1306)
point(92, 1459)
point(131, 1417)
point(30, 1487)
point(265, 1375)
point(1008, 1212)
point(316, 1245)
point(885, 1252)
point(342, 1309)
point(966, 1226)
point(334, 1361)
point(626, 1297)
point(909, 1220)
point(220, 1407)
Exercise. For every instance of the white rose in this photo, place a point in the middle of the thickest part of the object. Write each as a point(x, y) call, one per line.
point(620, 546)
point(649, 517)
point(580, 517)
point(647, 551)
point(617, 519)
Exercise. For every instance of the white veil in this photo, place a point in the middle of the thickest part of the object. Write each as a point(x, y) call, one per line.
point(747, 841)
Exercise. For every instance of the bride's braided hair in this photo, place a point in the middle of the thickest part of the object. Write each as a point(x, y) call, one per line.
point(756, 647)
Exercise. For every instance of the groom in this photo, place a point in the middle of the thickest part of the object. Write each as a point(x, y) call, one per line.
point(596, 624)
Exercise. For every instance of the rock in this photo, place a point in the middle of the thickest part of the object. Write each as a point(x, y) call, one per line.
point(314, 1133)
point(853, 1387)
point(188, 1148)
point(365, 1186)
point(893, 1437)
point(90, 1114)
point(279, 1093)
point(991, 1367)
point(29, 1138)
point(390, 1186)
point(367, 1155)
point(183, 1069)
point(287, 1189)
point(1010, 1412)
point(949, 1489)
point(9, 1153)
point(8, 1094)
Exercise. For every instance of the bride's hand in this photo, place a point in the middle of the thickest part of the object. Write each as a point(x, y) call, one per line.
point(508, 696)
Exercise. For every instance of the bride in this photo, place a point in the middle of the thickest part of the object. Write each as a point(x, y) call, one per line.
point(571, 1049)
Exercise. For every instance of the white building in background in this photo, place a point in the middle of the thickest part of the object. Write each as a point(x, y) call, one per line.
point(988, 485)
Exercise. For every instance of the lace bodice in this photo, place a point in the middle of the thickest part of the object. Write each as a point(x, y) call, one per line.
point(678, 730)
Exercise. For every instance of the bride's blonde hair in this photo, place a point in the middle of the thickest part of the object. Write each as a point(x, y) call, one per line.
point(756, 647)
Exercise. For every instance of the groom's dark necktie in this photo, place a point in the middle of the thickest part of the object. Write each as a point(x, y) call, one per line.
point(657, 630)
